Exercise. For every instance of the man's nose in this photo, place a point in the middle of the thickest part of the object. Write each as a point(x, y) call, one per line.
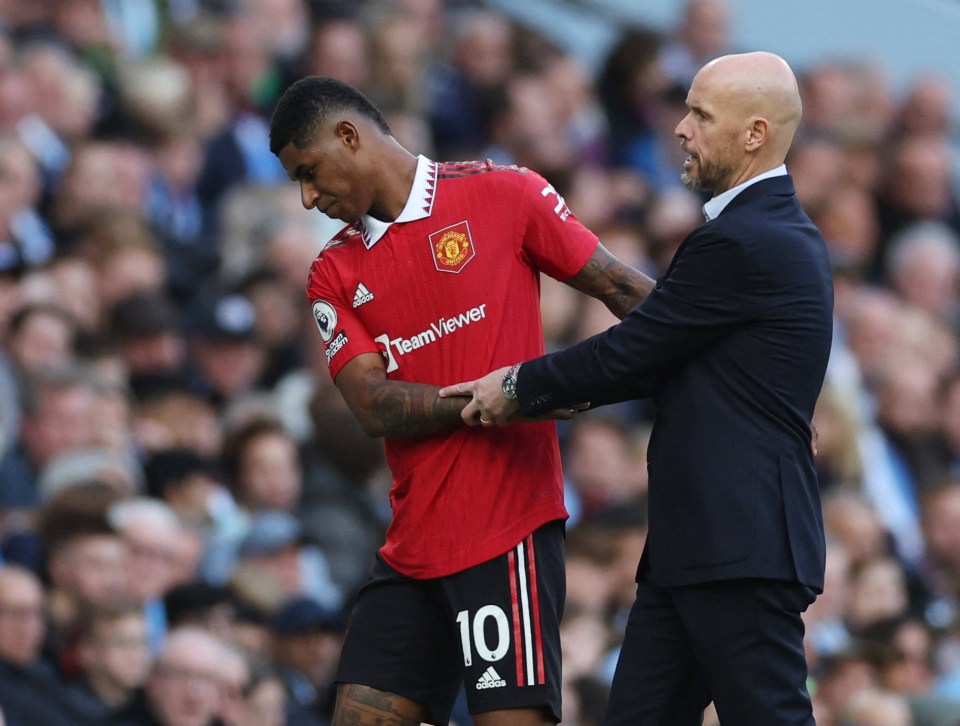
point(308, 197)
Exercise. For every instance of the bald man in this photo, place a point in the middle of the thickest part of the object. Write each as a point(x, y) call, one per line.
point(732, 346)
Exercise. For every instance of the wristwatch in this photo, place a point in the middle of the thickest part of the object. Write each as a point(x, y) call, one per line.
point(509, 383)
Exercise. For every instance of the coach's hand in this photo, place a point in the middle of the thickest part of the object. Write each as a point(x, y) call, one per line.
point(488, 406)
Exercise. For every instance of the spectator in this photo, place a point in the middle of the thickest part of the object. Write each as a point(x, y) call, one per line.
point(629, 88)
point(703, 34)
point(265, 700)
point(29, 689)
point(601, 464)
point(234, 681)
point(187, 482)
point(276, 551)
point(918, 187)
point(306, 646)
point(339, 49)
point(114, 655)
point(463, 90)
point(26, 239)
point(926, 108)
point(196, 603)
point(146, 330)
point(229, 356)
point(278, 324)
point(941, 528)
point(184, 685)
point(873, 707)
point(85, 559)
point(908, 663)
point(170, 413)
point(878, 592)
point(851, 518)
point(150, 530)
point(58, 412)
point(923, 268)
point(826, 630)
point(262, 465)
point(41, 335)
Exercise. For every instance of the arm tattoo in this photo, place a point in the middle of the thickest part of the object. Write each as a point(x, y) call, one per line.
point(365, 706)
point(408, 410)
point(619, 286)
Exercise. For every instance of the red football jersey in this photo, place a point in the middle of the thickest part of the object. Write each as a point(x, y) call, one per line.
point(447, 293)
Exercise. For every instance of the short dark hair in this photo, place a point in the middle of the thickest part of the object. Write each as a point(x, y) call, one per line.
point(311, 102)
point(236, 442)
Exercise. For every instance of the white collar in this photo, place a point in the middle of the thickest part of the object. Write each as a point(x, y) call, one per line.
point(419, 204)
point(712, 209)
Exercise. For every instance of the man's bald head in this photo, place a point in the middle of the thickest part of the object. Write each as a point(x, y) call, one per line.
point(744, 111)
point(760, 84)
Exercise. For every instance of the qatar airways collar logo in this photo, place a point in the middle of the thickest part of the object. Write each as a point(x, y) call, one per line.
point(394, 348)
point(452, 247)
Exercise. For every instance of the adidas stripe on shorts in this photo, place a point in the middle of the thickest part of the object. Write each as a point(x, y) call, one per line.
point(494, 629)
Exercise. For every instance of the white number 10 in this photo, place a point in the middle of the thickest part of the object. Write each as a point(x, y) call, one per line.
point(479, 638)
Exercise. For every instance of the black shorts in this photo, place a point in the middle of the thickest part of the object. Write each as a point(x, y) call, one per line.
point(495, 628)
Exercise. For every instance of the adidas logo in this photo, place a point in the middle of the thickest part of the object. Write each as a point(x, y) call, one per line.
point(490, 679)
point(361, 296)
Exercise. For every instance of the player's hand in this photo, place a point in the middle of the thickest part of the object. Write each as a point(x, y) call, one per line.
point(488, 406)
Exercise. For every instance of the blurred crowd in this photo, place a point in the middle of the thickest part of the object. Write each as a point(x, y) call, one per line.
point(186, 505)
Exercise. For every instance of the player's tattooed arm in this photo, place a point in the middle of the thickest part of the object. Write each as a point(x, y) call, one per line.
point(365, 706)
point(397, 409)
point(620, 287)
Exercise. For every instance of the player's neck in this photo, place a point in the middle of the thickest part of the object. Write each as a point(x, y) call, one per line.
point(397, 169)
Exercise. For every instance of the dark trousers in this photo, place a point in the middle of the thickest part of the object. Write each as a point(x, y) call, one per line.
point(737, 642)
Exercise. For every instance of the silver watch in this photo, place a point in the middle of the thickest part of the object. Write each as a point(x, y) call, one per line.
point(509, 383)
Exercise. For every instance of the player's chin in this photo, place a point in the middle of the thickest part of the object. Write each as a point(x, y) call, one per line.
point(343, 215)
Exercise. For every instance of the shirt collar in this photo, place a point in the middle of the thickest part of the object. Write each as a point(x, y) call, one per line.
point(419, 204)
point(713, 208)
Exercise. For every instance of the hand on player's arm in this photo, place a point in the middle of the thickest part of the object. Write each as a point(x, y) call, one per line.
point(489, 407)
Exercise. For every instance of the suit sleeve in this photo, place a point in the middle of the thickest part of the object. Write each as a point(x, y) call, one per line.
point(698, 302)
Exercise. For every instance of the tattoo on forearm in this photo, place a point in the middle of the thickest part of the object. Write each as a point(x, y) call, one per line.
point(364, 706)
point(413, 409)
point(619, 286)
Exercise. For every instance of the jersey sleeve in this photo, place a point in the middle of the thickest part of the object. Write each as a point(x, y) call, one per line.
point(553, 240)
point(343, 334)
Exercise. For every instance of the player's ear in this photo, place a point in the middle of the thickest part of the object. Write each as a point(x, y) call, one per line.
point(348, 134)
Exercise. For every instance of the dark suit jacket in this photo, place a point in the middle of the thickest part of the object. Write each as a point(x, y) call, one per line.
point(34, 696)
point(732, 347)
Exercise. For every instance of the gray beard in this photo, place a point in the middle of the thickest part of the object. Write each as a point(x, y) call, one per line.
point(694, 184)
point(700, 183)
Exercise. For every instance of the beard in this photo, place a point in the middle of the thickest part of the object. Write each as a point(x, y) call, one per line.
point(710, 175)
point(693, 183)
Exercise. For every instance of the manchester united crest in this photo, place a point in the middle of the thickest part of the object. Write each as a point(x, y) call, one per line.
point(452, 247)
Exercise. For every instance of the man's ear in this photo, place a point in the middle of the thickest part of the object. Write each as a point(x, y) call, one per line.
point(756, 133)
point(348, 133)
